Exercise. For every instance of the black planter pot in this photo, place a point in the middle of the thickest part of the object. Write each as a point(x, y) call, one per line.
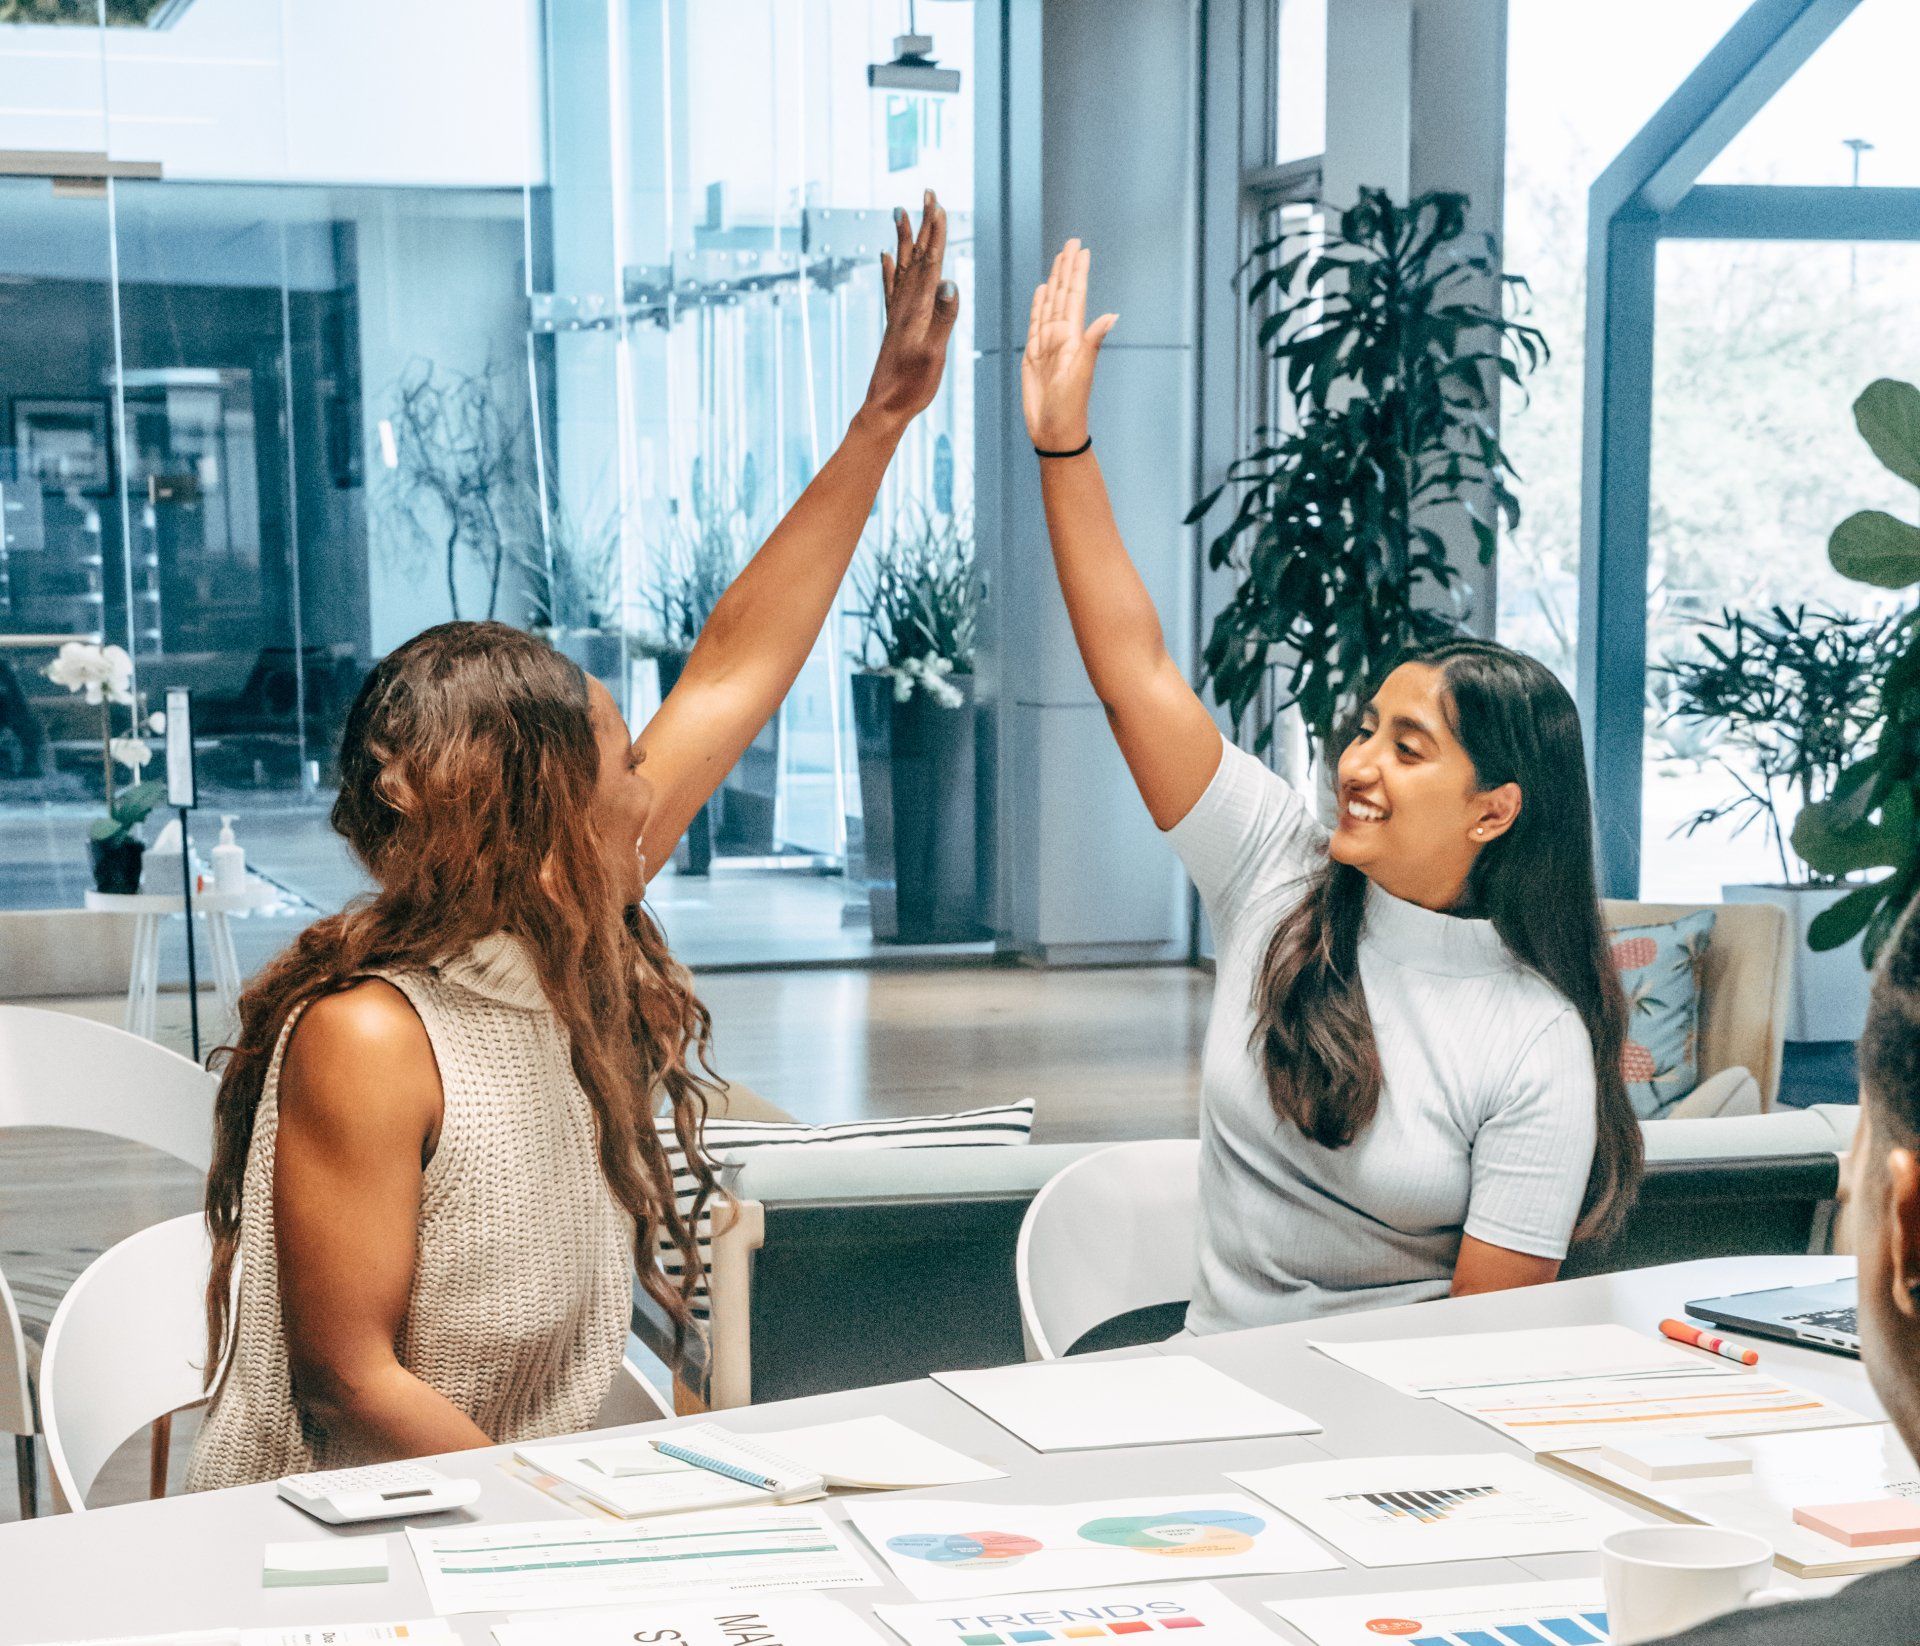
point(919, 789)
point(116, 863)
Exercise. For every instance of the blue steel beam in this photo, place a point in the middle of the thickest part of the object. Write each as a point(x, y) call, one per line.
point(1774, 212)
point(1652, 175)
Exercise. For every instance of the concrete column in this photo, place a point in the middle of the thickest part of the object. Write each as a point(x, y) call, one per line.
point(1417, 101)
point(1087, 124)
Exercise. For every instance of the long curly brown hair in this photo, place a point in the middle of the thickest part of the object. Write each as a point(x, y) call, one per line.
point(467, 770)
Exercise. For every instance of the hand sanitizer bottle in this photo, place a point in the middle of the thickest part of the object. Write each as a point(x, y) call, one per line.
point(229, 861)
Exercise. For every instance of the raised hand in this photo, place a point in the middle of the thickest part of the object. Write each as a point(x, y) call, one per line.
point(1056, 368)
point(921, 310)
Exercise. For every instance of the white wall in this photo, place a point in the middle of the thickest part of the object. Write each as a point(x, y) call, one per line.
point(437, 92)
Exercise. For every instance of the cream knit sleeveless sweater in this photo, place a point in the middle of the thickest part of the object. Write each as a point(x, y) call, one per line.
point(523, 1263)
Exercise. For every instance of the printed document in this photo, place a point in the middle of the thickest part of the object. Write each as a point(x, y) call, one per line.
point(1569, 1613)
point(1412, 1511)
point(722, 1620)
point(1584, 1412)
point(1201, 1613)
point(544, 1564)
point(966, 1551)
point(1155, 1400)
point(1547, 1354)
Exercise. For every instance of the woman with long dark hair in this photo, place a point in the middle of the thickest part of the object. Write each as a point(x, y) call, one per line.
point(435, 1167)
point(1412, 1081)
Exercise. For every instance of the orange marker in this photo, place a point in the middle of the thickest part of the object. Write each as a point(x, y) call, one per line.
point(1681, 1332)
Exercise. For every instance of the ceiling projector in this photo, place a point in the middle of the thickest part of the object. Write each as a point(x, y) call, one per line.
point(913, 68)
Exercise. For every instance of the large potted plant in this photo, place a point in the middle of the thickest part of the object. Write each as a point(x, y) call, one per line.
point(1780, 701)
point(104, 676)
point(1871, 821)
point(1342, 532)
point(917, 722)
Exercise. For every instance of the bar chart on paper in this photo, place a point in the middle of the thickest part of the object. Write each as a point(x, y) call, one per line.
point(1509, 1614)
point(1387, 1511)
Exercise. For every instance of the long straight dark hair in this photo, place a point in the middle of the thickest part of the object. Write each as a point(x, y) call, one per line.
point(1535, 883)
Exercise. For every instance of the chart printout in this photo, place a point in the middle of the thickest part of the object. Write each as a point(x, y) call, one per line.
point(1570, 1613)
point(1479, 1360)
point(1410, 1511)
point(1582, 1412)
point(943, 1550)
point(1189, 1614)
point(542, 1564)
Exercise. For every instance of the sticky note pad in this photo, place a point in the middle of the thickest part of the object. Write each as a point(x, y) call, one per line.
point(1675, 1457)
point(331, 1560)
point(1860, 1525)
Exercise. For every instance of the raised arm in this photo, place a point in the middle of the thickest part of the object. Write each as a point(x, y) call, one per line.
point(763, 627)
point(1171, 744)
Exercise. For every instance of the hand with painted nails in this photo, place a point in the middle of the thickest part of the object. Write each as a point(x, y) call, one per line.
point(921, 309)
point(1056, 368)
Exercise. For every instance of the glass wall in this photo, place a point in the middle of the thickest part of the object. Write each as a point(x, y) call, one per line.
point(1580, 82)
point(307, 350)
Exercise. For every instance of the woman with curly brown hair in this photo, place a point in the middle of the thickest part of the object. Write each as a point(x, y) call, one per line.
point(435, 1166)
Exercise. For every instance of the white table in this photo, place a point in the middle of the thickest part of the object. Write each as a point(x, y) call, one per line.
point(194, 1563)
point(150, 910)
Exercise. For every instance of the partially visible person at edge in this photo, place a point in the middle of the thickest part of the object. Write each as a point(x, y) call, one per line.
point(1883, 1225)
point(1411, 1083)
point(435, 1165)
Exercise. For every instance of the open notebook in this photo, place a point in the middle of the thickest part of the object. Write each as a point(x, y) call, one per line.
point(631, 1478)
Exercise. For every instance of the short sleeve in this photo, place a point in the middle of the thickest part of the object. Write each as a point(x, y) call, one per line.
point(1533, 1154)
point(1249, 832)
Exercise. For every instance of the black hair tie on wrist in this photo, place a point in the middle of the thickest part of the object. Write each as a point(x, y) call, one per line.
point(1085, 446)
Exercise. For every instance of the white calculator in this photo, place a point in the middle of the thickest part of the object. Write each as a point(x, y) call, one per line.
point(385, 1491)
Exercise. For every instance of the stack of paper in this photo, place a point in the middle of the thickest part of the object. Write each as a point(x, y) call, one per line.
point(1587, 1412)
point(1154, 1400)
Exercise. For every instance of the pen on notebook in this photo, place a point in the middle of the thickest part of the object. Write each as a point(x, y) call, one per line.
point(700, 1460)
point(1681, 1332)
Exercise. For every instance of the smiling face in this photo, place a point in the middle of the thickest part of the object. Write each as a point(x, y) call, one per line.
point(1412, 816)
point(622, 796)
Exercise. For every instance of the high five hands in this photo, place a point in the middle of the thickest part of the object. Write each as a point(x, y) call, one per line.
point(1056, 368)
point(921, 310)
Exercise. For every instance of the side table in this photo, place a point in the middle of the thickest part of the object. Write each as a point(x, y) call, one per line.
point(149, 910)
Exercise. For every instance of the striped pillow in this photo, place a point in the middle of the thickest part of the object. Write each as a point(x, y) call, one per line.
point(731, 1142)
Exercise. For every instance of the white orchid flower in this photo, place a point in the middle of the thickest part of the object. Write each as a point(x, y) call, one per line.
point(131, 752)
point(99, 673)
point(157, 722)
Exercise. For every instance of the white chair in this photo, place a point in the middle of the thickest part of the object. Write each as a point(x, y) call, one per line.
point(16, 1399)
point(57, 1069)
point(632, 1399)
point(1115, 1231)
point(124, 1351)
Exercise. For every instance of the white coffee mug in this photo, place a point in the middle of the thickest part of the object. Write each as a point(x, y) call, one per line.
point(1662, 1579)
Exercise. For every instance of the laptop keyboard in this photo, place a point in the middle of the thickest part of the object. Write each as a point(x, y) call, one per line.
point(1829, 1320)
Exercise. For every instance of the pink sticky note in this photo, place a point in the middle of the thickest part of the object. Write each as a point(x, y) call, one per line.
point(1859, 1525)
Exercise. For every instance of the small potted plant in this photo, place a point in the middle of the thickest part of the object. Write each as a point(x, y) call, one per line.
point(104, 676)
point(1787, 698)
point(697, 560)
point(917, 726)
point(572, 577)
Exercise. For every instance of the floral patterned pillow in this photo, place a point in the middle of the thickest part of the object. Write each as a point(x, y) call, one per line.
point(1659, 968)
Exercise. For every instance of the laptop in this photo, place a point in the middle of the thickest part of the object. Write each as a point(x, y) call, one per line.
point(1821, 1316)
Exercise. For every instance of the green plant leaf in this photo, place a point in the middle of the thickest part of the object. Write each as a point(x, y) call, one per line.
point(1873, 547)
point(105, 828)
point(1837, 926)
point(1831, 846)
point(1888, 416)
